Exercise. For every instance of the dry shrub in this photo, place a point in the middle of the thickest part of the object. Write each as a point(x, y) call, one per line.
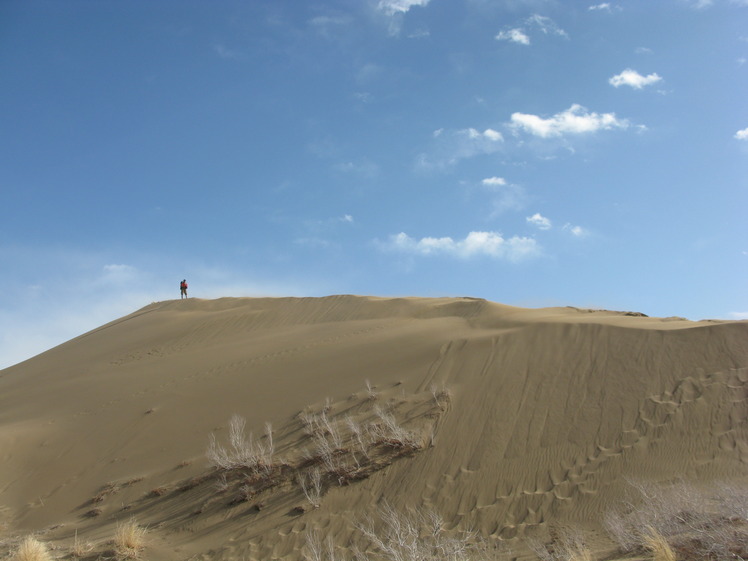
point(694, 523)
point(311, 485)
point(129, 539)
point(418, 536)
point(243, 451)
point(32, 549)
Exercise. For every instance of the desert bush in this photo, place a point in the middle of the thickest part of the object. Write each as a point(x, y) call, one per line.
point(388, 432)
point(311, 485)
point(243, 451)
point(32, 549)
point(316, 550)
point(417, 536)
point(129, 539)
point(693, 523)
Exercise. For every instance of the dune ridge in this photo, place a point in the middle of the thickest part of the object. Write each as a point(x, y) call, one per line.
point(550, 411)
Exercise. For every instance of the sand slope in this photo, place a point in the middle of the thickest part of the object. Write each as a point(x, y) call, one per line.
point(548, 412)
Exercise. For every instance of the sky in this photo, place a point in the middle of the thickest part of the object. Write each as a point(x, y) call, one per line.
point(531, 152)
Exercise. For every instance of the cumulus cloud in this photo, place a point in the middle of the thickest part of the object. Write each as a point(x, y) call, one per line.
point(514, 36)
point(575, 120)
point(489, 135)
point(475, 244)
point(742, 134)
point(536, 22)
point(392, 7)
point(493, 181)
point(633, 79)
point(539, 221)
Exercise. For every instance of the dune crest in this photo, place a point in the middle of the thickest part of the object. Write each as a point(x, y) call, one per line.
point(520, 419)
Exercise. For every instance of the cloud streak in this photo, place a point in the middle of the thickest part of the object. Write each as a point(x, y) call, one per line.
point(520, 35)
point(575, 120)
point(453, 146)
point(392, 7)
point(475, 244)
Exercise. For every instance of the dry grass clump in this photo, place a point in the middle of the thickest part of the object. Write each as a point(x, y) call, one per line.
point(684, 522)
point(564, 545)
point(80, 549)
point(129, 539)
point(655, 543)
point(32, 549)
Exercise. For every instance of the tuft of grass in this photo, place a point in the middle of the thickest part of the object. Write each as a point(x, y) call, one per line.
point(80, 549)
point(32, 549)
point(566, 545)
point(129, 539)
point(656, 543)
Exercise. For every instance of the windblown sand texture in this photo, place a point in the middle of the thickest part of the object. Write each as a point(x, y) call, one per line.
point(525, 420)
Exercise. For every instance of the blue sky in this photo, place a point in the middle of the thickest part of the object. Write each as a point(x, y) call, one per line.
point(534, 153)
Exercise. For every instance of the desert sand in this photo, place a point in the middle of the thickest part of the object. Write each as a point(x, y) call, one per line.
point(515, 423)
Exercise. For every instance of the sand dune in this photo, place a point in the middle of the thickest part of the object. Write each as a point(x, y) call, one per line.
point(522, 420)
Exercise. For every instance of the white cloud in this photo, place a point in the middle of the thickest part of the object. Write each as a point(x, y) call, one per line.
point(493, 181)
point(575, 120)
point(505, 196)
point(576, 231)
point(329, 26)
point(632, 78)
point(453, 146)
point(546, 25)
point(514, 36)
point(347, 218)
point(476, 244)
point(488, 134)
point(540, 221)
point(392, 7)
point(605, 7)
point(364, 168)
point(742, 134)
point(738, 315)
point(520, 36)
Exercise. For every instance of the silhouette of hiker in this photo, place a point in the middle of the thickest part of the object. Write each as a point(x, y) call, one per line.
point(183, 289)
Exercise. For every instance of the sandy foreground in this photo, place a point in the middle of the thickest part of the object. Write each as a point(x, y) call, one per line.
point(510, 424)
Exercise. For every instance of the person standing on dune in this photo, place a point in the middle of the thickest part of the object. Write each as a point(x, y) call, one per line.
point(183, 289)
